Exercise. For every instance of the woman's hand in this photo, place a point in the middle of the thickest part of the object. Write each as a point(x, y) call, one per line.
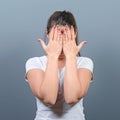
point(69, 44)
point(54, 46)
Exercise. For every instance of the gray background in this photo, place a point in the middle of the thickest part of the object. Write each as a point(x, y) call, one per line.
point(23, 22)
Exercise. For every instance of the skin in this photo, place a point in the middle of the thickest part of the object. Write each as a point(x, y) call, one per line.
point(61, 51)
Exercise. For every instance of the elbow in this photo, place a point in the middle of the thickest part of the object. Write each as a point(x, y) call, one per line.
point(48, 99)
point(49, 102)
point(73, 100)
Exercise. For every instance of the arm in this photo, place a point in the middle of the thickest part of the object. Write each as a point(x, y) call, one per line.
point(44, 85)
point(76, 81)
point(49, 86)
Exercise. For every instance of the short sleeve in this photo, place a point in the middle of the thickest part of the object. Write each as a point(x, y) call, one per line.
point(85, 62)
point(32, 63)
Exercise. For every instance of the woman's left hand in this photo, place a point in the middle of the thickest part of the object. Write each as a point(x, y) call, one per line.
point(69, 43)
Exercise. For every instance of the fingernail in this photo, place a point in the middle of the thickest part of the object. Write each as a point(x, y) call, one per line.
point(39, 40)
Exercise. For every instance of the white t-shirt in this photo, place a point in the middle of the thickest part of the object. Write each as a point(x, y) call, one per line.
point(61, 110)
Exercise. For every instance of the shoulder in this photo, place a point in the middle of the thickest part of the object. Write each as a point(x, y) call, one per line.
point(85, 62)
point(36, 62)
point(84, 59)
point(36, 59)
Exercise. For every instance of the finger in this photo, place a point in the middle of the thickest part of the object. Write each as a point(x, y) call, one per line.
point(82, 44)
point(64, 37)
point(51, 34)
point(60, 39)
point(55, 33)
point(72, 33)
point(59, 35)
point(42, 43)
point(68, 33)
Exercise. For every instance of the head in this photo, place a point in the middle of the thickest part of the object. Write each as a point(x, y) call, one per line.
point(62, 18)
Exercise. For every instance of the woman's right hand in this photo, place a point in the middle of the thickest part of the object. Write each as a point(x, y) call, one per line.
point(54, 46)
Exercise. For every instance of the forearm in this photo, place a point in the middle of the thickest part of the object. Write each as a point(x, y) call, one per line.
point(49, 86)
point(72, 87)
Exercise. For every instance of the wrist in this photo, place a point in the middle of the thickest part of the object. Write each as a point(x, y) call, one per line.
point(52, 57)
point(70, 56)
point(71, 61)
point(52, 61)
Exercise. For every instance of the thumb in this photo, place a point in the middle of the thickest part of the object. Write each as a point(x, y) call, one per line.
point(42, 43)
point(82, 44)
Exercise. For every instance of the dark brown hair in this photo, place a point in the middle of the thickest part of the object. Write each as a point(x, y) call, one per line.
point(62, 18)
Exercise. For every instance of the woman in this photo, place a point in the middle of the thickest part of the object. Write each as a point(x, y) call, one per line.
point(60, 79)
